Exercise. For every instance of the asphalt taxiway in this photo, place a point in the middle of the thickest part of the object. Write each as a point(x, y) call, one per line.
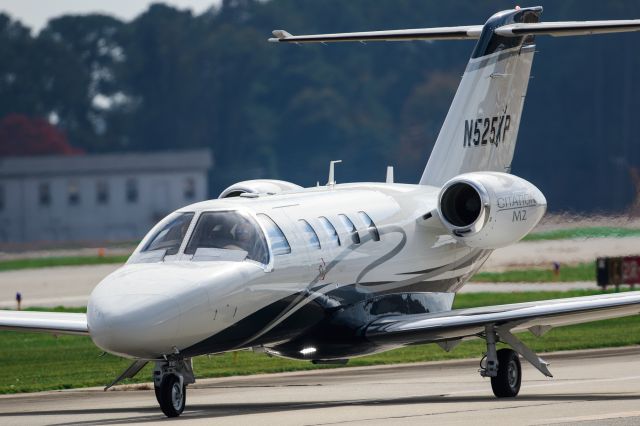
point(590, 388)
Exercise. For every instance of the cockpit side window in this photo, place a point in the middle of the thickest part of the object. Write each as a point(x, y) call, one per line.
point(371, 227)
point(277, 240)
point(171, 235)
point(310, 234)
point(350, 228)
point(229, 230)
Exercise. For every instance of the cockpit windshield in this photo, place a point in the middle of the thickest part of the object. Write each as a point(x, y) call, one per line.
point(229, 230)
point(171, 235)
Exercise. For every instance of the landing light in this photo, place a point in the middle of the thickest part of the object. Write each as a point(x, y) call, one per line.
point(308, 351)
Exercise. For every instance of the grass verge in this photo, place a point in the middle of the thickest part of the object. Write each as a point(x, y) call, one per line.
point(36, 362)
point(568, 273)
point(45, 262)
point(591, 232)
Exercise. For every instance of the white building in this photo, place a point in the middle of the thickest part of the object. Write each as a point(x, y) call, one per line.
point(96, 197)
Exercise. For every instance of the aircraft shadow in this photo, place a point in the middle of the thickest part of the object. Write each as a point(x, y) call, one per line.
point(200, 411)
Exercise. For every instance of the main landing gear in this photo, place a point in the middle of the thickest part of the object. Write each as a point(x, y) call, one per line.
point(170, 380)
point(503, 366)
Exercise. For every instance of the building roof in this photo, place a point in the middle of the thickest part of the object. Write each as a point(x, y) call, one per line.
point(120, 163)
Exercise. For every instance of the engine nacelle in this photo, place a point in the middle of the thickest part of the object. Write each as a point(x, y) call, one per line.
point(258, 186)
point(490, 210)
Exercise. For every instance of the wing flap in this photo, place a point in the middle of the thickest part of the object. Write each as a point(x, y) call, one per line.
point(442, 33)
point(462, 323)
point(44, 322)
point(569, 28)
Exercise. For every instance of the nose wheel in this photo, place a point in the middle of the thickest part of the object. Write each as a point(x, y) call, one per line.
point(171, 395)
point(170, 384)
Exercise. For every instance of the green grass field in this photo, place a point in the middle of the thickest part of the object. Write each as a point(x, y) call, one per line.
point(45, 262)
point(591, 232)
point(33, 362)
point(568, 273)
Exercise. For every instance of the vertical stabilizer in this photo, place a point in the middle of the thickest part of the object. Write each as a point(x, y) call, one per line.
point(481, 128)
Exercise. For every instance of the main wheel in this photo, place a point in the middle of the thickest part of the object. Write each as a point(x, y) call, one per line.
point(157, 392)
point(171, 396)
point(507, 383)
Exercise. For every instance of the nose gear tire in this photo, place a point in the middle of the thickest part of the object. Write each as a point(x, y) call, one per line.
point(171, 396)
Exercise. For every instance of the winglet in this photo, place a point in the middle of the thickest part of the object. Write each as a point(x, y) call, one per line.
point(279, 35)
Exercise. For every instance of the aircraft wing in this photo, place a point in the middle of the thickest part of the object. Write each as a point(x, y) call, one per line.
point(534, 316)
point(45, 322)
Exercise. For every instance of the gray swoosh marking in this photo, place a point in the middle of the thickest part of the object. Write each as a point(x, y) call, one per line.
point(436, 273)
point(307, 295)
point(469, 262)
point(387, 256)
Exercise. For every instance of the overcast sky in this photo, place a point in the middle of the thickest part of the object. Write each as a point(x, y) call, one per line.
point(36, 13)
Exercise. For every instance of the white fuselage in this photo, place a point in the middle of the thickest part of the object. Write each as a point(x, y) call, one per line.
point(180, 304)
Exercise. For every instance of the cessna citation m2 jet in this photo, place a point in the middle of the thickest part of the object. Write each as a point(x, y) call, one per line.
point(337, 271)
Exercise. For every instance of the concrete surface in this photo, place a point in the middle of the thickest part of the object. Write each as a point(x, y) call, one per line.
point(542, 254)
point(589, 388)
point(71, 286)
point(66, 286)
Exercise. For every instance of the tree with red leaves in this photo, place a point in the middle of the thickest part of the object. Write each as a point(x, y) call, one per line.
point(24, 136)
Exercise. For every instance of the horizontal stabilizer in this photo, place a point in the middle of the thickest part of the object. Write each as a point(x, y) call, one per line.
point(556, 29)
point(45, 322)
point(570, 28)
point(444, 33)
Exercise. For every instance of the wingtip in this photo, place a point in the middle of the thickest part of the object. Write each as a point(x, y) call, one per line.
point(280, 34)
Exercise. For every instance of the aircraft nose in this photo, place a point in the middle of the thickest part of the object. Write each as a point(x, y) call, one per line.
point(138, 325)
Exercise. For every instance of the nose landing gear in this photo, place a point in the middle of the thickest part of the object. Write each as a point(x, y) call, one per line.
point(170, 380)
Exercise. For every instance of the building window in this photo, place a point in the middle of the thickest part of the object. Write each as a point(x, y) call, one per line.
point(132, 191)
point(311, 238)
point(330, 230)
point(371, 227)
point(350, 228)
point(189, 189)
point(44, 194)
point(73, 193)
point(102, 192)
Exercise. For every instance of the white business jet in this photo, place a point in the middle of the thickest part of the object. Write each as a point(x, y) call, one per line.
point(343, 270)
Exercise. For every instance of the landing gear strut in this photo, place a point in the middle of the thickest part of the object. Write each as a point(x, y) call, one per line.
point(503, 366)
point(170, 380)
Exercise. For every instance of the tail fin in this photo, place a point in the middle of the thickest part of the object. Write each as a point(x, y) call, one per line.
point(480, 130)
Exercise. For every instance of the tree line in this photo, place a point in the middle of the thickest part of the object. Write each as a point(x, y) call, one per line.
point(170, 79)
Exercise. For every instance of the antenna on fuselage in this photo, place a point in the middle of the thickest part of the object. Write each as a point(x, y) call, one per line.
point(332, 164)
point(389, 174)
